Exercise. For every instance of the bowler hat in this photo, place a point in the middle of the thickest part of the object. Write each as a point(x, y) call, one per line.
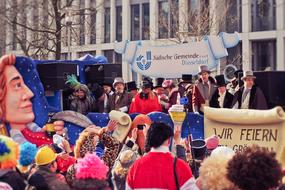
point(118, 80)
point(220, 80)
point(248, 74)
point(203, 68)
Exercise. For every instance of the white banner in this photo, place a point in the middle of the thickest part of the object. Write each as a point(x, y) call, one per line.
point(174, 60)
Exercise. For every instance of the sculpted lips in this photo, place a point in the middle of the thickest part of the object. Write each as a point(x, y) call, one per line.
point(27, 107)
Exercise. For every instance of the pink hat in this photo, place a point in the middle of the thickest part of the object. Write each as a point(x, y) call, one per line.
point(212, 142)
point(167, 83)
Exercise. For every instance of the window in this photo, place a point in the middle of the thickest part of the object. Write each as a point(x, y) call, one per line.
point(145, 21)
point(233, 21)
point(234, 56)
point(168, 18)
point(93, 22)
point(81, 54)
point(112, 56)
point(135, 22)
point(107, 24)
point(140, 21)
point(64, 56)
point(82, 23)
point(163, 19)
point(263, 15)
point(264, 55)
point(119, 23)
point(199, 17)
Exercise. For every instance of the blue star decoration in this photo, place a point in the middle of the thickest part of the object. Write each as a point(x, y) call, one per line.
point(193, 123)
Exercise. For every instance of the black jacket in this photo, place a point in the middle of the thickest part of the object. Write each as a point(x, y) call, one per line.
point(228, 101)
point(256, 101)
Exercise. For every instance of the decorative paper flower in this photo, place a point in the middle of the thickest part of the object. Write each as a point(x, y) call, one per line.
point(91, 166)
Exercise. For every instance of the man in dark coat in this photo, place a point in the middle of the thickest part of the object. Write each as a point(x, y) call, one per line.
point(221, 98)
point(121, 99)
point(249, 96)
point(203, 90)
point(185, 89)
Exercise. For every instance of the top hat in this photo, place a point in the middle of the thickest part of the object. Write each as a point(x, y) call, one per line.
point(248, 74)
point(107, 82)
point(118, 80)
point(131, 86)
point(220, 80)
point(186, 78)
point(236, 75)
point(159, 82)
point(97, 91)
point(199, 148)
point(203, 68)
point(237, 72)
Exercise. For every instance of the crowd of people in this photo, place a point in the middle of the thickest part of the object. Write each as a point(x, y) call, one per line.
point(206, 91)
point(144, 160)
point(150, 154)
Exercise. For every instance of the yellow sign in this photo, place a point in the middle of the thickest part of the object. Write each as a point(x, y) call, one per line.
point(241, 128)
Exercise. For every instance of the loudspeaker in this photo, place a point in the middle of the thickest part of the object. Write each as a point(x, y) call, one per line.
point(102, 72)
point(271, 83)
point(53, 75)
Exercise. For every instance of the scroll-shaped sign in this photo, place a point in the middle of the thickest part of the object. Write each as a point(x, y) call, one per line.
point(174, 60)
point(241, 128)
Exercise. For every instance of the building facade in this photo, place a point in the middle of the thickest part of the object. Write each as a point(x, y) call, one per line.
point(97, 24)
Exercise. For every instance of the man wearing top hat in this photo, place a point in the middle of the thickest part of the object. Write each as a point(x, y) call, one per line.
point(121, 99)
point(233, 86)
point(249, 96)
point(185, 88)
point(131, 87)
point(221, 98)
point(108, 92)
point(203, 90)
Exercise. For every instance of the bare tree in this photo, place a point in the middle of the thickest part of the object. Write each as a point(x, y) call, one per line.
point(198, 21)
point(38, 26)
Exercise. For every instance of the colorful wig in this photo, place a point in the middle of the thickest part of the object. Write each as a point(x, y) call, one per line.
point(9, 153)
point(28, 152)
point(91, 167)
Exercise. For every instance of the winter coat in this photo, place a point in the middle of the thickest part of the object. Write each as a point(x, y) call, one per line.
point(198, 97)
point(256, 101)
point(228, 101)
point(13, 178)
point(125, 99)
point(52, 179)
point(145, 106)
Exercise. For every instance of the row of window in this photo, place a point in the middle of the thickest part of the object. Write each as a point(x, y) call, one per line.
point(263, 17)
